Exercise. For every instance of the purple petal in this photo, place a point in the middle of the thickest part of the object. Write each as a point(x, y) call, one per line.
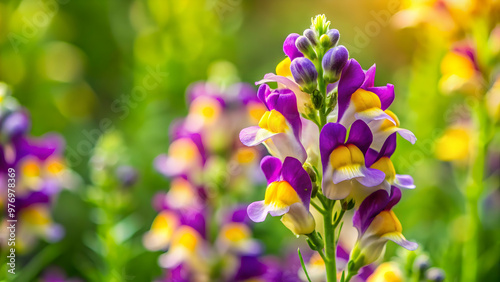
point(254, 135)
point(332, 135)
point(400, 240)
point(271, 166)
point(285, 102)
point(387, 150)
point(360, 135)
point(407, 135)
point(289, 47)
point(257, 211)
point(404, 181)
point(385, 93)
point(370, 77)
point(298, 178)
point(373, 177)
point(351, 79)
point(394, 198)
point(263, 92)
point(369, 209)
point(196, 220)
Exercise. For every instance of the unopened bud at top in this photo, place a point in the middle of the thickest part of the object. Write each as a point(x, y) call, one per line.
point(305, 46)
point(304, 73)
point(333, 35)
point(290, 48)
point(311, 35)
point(333, 63)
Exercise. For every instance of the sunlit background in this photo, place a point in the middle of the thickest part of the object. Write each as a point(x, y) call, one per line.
point(121, 68)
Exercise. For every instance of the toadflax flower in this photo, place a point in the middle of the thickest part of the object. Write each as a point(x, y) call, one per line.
point(376, 224)
point(344, 161)
point(288, 193)
point(279, 128)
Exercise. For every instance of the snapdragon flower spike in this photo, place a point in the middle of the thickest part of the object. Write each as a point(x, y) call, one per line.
point(344, 161)
point(376, 224)
point(289, 47)
point(381, 161)
point(359, 99)
point(305, 74)
point(288, 193)
point(279, 128)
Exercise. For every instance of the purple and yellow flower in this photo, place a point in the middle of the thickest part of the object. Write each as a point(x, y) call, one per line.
point(344, 161)
point(288, 193)
point(381, 160)
point(386, 272)
point(162, 230)
point(358, 98)
point(377, 224)
point(460, 71)
point(279, 128)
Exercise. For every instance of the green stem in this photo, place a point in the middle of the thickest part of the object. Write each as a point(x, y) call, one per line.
point(473, 190)
point(330, 263)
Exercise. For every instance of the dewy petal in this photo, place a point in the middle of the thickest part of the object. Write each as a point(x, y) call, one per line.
point(298, 178)
point(404, 181)
point(385, 94)
point(351, 79)
point(254, 135)
point(271, 166)
point(360, 135)
point(257, 211)
point(332, 135)
point(372, 177)
point(399, 239)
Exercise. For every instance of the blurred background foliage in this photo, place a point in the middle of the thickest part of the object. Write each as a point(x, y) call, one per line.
point(80, 68)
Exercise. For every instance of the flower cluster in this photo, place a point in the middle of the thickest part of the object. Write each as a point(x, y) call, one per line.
point(40, 174)
point(206, 234)
point(347, 165)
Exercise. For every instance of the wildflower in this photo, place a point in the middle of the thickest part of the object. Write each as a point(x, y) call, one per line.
point(288, 193)
point(344, 161)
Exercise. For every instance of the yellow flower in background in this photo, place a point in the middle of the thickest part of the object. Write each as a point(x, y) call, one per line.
point(454, 145)
point(386, 272)
point(460, 72)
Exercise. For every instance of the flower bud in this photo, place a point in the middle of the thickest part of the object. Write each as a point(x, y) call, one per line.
point(435, 274)
point(311, 35)
point(334, 36)
point(324, 41)
point(299, 220)
point(127, 175)
point(305, 46)
point(305, 74)
point(15, 124)
point(289, 47)
point(333, 63)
